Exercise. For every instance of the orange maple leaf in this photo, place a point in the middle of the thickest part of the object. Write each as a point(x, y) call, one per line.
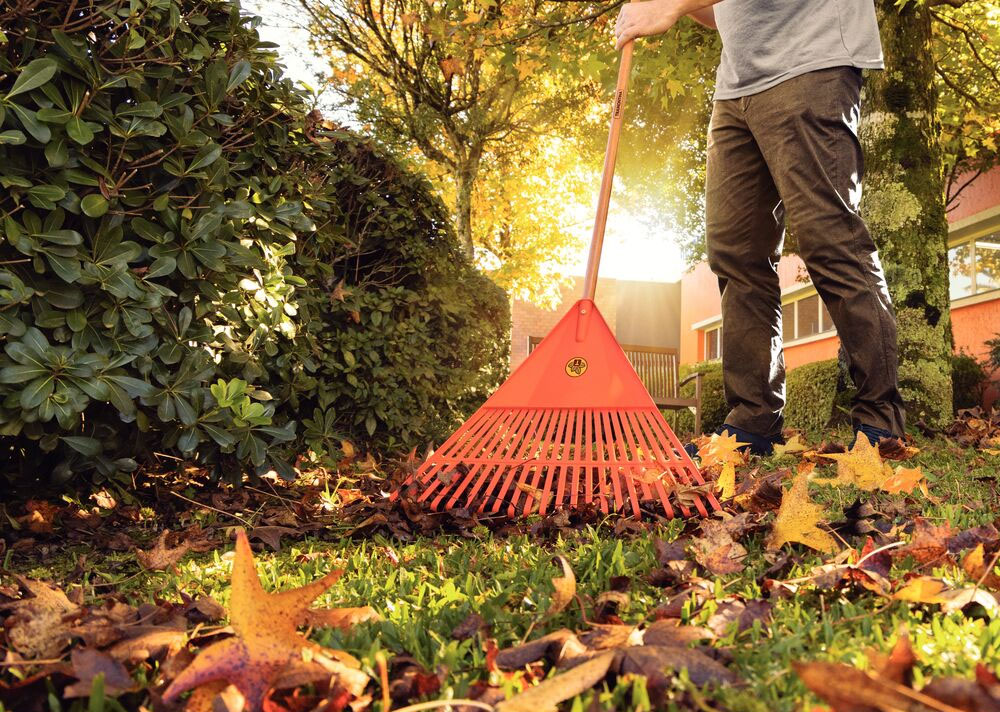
point(904, 480)
point(267, 646)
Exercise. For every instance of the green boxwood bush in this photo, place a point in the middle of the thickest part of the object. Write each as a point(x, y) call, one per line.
point(968, 377)
point(402, 337)
point(713, 399)
point(810, 395)
point(163, 198)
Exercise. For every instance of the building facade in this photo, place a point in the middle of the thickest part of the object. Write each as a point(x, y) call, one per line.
point(809, 334)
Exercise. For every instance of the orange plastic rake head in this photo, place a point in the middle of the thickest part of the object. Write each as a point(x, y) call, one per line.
point(572, 425)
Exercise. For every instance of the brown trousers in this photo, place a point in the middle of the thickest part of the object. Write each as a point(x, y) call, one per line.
point(793, 149)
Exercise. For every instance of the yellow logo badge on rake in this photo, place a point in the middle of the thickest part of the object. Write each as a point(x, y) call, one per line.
point(576, 366)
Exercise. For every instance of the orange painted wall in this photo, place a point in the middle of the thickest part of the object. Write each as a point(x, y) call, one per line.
point(982, 194)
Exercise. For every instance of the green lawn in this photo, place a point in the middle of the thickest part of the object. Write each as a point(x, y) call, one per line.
point(424, 588)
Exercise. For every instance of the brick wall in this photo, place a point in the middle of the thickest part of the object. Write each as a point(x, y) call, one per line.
point(528, 320)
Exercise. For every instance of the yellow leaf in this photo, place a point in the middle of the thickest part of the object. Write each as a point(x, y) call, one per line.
point(565, 586)
point(726, 484)
point(974, 565)
point(862, 466)
point(720, 449)
point(798, 520)
point(791, 447)
point(904, 480)
point(922, 589)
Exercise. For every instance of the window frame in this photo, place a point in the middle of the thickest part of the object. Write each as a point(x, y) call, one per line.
point(975, 294)
point(792, 301)
point(717, 328)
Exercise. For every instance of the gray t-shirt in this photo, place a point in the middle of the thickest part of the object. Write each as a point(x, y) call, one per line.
point(765, 42)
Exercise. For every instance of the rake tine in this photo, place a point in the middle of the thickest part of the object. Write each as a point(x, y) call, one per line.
point(493, 472)
point(532, 471)
point(658, 483)
point(502, 429)
point(466, 450)
point(552, 470)
point(630, 455)
point(538, 419)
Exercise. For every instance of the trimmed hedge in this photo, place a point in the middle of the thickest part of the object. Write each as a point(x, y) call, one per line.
point(810, 395)
point(174, 226)
point(968, 378)
point(713, 399)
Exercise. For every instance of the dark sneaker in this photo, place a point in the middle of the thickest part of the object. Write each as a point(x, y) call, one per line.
point(755, 444)
point(873, 434)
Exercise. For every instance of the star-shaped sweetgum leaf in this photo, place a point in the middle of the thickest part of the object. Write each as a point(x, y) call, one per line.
point(267, 646)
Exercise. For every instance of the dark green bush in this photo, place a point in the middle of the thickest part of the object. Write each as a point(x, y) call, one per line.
point(403, 337)
point(163, 190)
point(810, 394)
point(968, 377)
point(713, 399)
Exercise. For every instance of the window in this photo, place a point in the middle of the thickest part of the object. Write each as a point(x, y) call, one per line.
point(808, 316)
point(713, 343)
point(804, 317)
point(974, 266)
point(788, 321)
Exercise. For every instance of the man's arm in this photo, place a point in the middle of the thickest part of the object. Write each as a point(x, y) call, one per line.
point(653, 17)
point(704, 16)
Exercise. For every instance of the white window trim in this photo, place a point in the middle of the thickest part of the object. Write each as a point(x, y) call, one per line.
point(968, 236)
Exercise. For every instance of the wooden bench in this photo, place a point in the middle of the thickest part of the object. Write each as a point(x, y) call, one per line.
point(657, 368)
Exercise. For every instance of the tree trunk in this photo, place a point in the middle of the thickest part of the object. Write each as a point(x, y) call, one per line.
point(465, 178)
point(904, 206)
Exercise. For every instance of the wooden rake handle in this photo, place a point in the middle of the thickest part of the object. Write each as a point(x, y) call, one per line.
point(608, 174)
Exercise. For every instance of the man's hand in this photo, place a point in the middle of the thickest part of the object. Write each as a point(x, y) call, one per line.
point(642, 19)
point(653, 17)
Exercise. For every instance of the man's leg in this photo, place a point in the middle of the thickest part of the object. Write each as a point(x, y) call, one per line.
point(744, 227)
point(807, 130)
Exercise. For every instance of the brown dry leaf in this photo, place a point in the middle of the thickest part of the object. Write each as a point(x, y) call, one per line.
point(658, 662)
point(549, 693)
point(153, 642)
point(670, 632)
point(266, 645)
point(928, 543)
point(87, 664)
point(798, 519)
point(904, 480)
point(41, 516)
point(37, 627)
point(848, 689)
point(862, 466)
point(340, 618)
point(974, 565)
point(565, 588)
point(717, 551)
point(555, 646)
point(161, 557)
point(271, 535)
